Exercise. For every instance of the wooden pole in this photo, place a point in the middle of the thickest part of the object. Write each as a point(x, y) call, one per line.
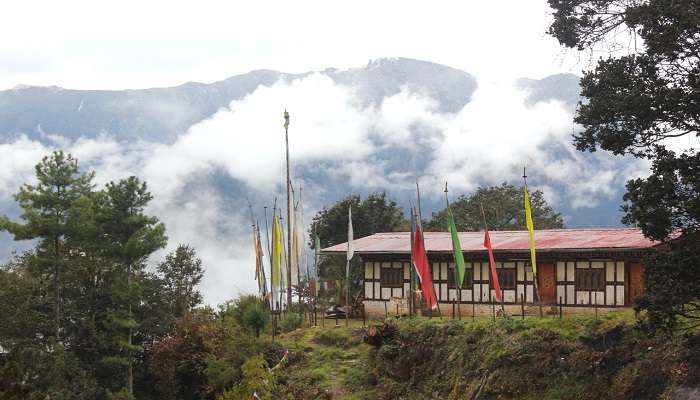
point(289, 213)
point(301, 210)
point(522, 303)
point(534, 268)
point(347, 291)
point(269, 256)
point(503, 300)
point(459, 304)
point(561, 308)
point(595, 306)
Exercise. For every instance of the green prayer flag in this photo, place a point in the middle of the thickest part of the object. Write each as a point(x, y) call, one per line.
point(456, 249)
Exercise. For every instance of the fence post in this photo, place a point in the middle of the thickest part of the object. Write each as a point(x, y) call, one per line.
point(522, 305)
point(561, 308)
point(595, 305)
point(386, 311)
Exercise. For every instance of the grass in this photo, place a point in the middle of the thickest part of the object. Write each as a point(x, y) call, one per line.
point(338, 365)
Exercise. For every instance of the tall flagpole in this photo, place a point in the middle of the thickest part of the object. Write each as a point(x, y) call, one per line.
point(534, 273)
point(457, 284)
point(299, 246)
point(419, 222)
point(503, 307)
point(289, 214)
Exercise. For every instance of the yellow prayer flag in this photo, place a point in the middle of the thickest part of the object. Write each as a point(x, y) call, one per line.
point(531, 230)
point(276, 252)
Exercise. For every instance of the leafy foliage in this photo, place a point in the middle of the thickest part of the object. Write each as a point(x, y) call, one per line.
point(636, 104)
point(291, 322)
point(503, 208)
point(257, 379)
point(182, 271)
point(255, 317)
point(48, 209)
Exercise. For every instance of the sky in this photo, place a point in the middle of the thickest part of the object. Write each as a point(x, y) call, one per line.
point(128, 44)
point(137, 44)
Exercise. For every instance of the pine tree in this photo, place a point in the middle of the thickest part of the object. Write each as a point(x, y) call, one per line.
point(47, 209)
point(129, 236)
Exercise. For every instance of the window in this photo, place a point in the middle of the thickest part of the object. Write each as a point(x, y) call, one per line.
point(391, 277)
point(590, 279)
point(468, 277)
point(506, 278)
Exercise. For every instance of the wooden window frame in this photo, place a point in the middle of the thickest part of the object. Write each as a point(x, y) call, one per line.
point(468, 277)
point(384, 274)
point(513, 284)
point(589, 279)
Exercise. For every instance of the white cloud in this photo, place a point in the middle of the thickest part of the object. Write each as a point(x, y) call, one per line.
point(351, 147)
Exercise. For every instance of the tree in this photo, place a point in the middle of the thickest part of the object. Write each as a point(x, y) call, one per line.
point(181, 273)
point(635, 104)
point(503, 207)
point(46, 210)
point(255, 317)
point(257, 379)
point(177, 362)
point(374, 214)
point(129, 237)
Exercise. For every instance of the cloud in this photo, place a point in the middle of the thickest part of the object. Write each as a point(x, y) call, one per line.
point(201, 180)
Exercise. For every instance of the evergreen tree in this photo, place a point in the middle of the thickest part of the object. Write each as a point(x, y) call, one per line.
point(129, 236)
point(46, 210)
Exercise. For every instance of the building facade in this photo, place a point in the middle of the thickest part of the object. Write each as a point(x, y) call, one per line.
point(577, 269)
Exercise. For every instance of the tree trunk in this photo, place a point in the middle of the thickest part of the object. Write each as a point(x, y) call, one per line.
point(130, 372)
point(57, 292)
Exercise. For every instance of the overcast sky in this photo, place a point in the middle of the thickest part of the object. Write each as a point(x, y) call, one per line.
point(137, 44)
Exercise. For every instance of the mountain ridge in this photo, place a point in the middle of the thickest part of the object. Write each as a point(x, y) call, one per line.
point(161, 114)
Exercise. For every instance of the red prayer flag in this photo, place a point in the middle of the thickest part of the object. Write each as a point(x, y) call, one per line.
point(420, 260)
point(492, 263)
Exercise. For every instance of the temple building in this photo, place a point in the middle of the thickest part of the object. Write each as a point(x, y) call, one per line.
point(578, 270)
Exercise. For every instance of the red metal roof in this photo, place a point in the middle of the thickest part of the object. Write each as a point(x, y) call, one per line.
point(550, 239)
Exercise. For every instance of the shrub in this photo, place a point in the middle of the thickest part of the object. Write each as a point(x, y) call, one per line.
point(255, 317)
point(291, 322)
point(257, 379)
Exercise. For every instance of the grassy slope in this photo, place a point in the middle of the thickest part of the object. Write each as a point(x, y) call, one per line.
point(578, 357)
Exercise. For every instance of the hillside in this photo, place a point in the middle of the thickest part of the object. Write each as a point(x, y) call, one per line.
point(574, 358)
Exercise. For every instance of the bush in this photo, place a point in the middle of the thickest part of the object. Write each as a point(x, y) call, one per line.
point(255, 317)
point(291, 322)
point(257, 379)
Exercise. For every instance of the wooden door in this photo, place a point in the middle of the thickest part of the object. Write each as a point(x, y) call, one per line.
point(635, 282)
point(546, 280)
